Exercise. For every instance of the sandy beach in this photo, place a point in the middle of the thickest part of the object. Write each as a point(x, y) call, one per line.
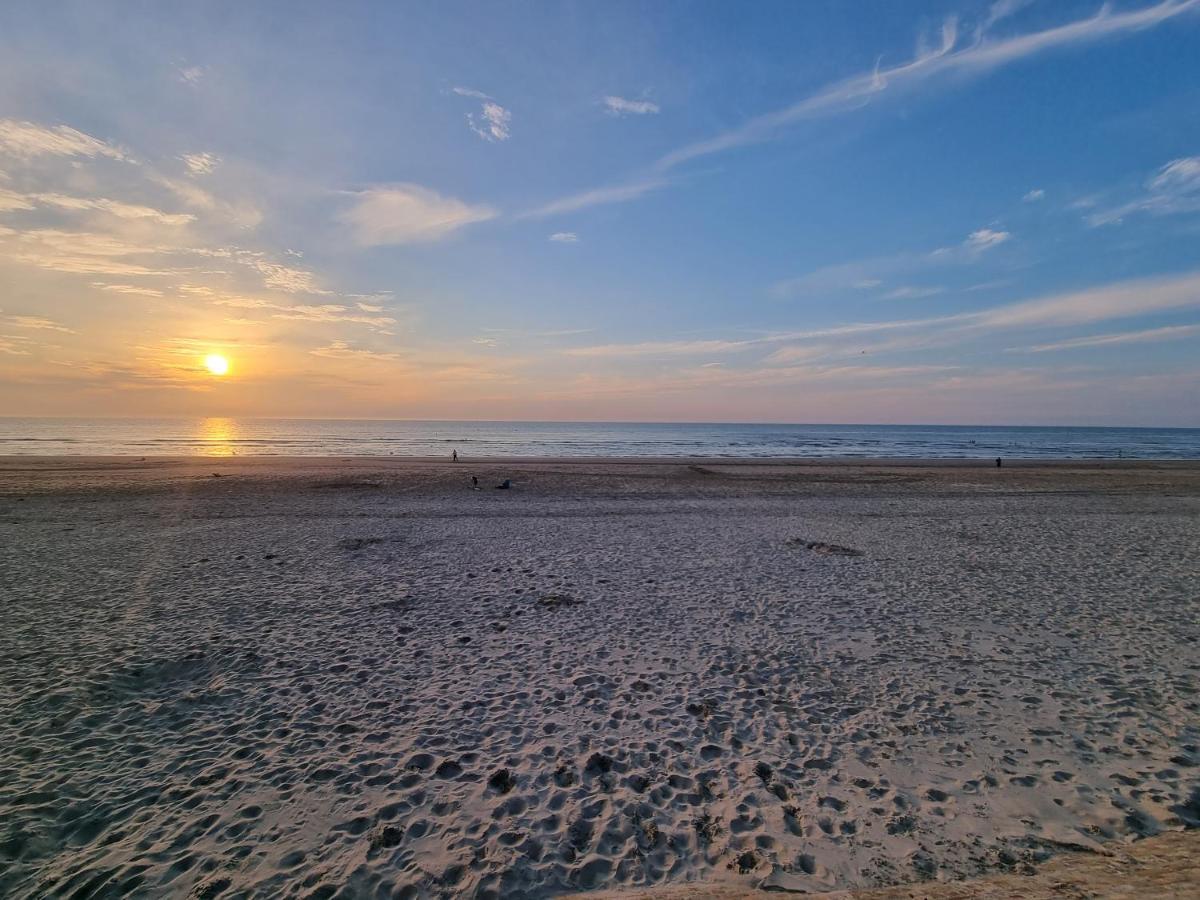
point(322, 677)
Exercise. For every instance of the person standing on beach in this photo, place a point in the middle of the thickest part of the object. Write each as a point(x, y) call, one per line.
point(453, 456)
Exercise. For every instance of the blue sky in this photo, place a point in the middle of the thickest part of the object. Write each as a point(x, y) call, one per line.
point(830, 212)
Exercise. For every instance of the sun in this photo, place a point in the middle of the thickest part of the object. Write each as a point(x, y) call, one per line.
point(216, 363)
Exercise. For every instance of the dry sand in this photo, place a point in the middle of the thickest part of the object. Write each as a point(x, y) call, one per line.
point(362, 678)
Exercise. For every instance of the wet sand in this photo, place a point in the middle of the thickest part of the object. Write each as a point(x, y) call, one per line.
point(275, 677)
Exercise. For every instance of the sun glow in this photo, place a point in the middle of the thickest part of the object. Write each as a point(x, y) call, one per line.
point(216, 364)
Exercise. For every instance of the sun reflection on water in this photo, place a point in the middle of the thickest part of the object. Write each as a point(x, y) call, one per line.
point(218, 437)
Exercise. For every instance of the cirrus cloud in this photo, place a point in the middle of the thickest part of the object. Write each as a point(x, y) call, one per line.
point(408, 214)
point(619, 106)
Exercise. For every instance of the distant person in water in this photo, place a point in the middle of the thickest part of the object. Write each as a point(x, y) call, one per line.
point(453, 456)
point(997, 462)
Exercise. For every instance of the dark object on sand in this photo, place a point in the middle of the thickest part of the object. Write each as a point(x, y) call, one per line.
point(454, 456)
point(997, 462)
point(504, 485)
point(823, 548)
point(557, 601)
point(474, 482)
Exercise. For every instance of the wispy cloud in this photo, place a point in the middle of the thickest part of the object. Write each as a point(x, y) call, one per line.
point(192, 75)
point(343, 350)
point(79, 252)
point(325, 312)
point(1175, 188)
point(985, 239)
point(1117, 301)
point(565, 237)
point(913, 292)
point(26, 140)
point(409, 214)
point(15, 345)
point(114, 207)
point(38, 323)
point(660, 348)
point(492, 122)
point(274, 275)
point(1002, 9)
point(867, 274)
point(1169, 333)
point(200, 163)
point(128, 289)
point(239, 213)
point(619, 106)
point(596, 197)
point(980, 56)
point(1033, 196)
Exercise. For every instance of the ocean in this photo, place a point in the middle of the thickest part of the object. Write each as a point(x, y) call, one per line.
point(341, 437)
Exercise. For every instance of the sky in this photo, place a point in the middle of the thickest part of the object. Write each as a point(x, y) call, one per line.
point(830, 211)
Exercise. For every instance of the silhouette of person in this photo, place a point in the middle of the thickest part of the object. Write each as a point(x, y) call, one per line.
point(997, 462)
point(474, 482)
point(454, 456)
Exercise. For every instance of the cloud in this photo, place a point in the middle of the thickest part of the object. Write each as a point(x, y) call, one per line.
point(26, 140)
point(910, 292)
point(326, 312)
point(492, 124)
point(285, 278)
point(408, 214)
point(14, 345)
point(343, 350)
point(79, 252)
point(38, 323)
point(113, 207)
point(1116, 301)
point(1178, 175)
point(565, 237)
point(192, 75)
point(1002, 9)
point(10, 201)
point(275, 275)
point(492, 121)
point(1102, 303)
point(1175, 188)
point(596, 197)
point(946, 58)
point(200, 163)
point(1034, 195)
point(127, 289)
point(870, 273)
point(985, 239)
point(1170, 333)
point(660, 348)
point(619, 106)
point(240, 213)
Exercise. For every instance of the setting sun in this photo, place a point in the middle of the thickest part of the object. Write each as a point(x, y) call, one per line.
point(217, 364)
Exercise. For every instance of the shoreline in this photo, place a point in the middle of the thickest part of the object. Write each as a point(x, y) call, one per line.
point(10, 461)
